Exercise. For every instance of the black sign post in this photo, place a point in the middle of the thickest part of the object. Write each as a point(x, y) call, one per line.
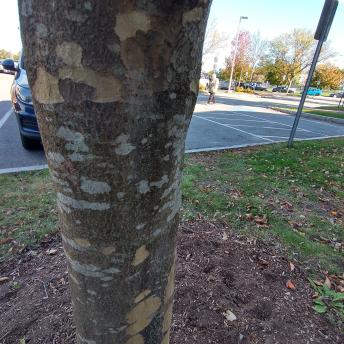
point(324, 25)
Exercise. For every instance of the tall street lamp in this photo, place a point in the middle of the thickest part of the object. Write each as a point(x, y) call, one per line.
point(235, 52)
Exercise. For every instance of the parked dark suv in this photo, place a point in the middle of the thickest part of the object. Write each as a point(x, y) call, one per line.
point(22, 104)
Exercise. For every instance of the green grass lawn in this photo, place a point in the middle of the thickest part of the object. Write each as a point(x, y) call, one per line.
point(330, 111)
point(292, 197)
point(28, 211)
point(295, 196)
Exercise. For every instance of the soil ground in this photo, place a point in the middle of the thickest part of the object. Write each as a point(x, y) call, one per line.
point(219, 274)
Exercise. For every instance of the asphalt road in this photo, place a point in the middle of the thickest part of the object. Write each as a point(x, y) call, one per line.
point(235, 121)
point(239, 122)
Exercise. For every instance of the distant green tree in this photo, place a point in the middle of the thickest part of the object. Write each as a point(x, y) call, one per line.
point(328, 76)
point(290, 54)
point(275, 72)
point(224, 74)
point(5, 54)
point(15, 56)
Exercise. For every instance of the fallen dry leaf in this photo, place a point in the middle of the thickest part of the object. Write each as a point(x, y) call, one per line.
point(224, 236)
point(290, 285)
point(291, 266)
point(327, 282)
point(51, 251)
point(261, 221)
point(5, 240)
point(3, 279)
point(287, 206)
point(295, 224)
point(318, 283)
point(230, 316)
point(249, 217)
point(236, 194)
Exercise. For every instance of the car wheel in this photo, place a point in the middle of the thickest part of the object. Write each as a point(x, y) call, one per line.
point(29, 144)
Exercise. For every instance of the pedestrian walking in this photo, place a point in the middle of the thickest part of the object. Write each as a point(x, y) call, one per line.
point(213, 86)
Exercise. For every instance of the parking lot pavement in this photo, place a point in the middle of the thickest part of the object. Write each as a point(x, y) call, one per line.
point(225, 125)
point(232, 122)
point(13, 157)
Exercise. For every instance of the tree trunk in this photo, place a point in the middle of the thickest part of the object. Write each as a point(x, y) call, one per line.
point(114, 85)
point(252, 72)
point(289, 85)
point(240, 77)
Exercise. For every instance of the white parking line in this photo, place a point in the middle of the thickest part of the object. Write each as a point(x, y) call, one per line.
point(228, 126)
point(5, 118)
point(199, 150)
point(236, 119)
point(287, 125)
point(254, 126)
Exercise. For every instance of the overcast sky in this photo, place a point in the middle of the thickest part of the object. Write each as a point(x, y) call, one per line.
point(269, 17)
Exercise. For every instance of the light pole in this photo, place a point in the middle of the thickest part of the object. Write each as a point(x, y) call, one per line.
point(235, 52)
point(323, 29)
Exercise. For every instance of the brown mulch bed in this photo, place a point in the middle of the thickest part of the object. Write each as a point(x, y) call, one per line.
point(217, 272)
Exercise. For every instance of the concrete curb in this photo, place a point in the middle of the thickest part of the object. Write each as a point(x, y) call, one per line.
point(311, 116)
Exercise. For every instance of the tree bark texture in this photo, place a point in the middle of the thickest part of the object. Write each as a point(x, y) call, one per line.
point(114, 86)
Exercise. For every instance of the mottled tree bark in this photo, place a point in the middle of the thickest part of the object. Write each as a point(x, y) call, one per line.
point(114, 85)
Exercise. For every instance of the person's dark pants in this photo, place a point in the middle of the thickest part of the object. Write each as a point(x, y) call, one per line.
point(211, 97)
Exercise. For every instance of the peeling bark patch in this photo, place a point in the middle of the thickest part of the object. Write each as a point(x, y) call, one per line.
point(46, 88)
point(81, 204)
point(142, 314)
point(70, 53)
point(138, 339)
point(88, 6)
point(56, 158)
point(170, 284)
point(59, 181)
point(108, 251)
point(75, 139)
point(194, 15)
point(123, 146)
point(140, 255)
point(41, 30)
point(120, 195)
point(84, 243)
point(166, 339)
point(143, 187)
point(94, 187)
point(78, 157)
point(194, 86)
point(127, 24)
point(142, 295)
point(92, 270)
point(160, 183)
point(107, 88)
point(78, 244)
point(166, 325)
